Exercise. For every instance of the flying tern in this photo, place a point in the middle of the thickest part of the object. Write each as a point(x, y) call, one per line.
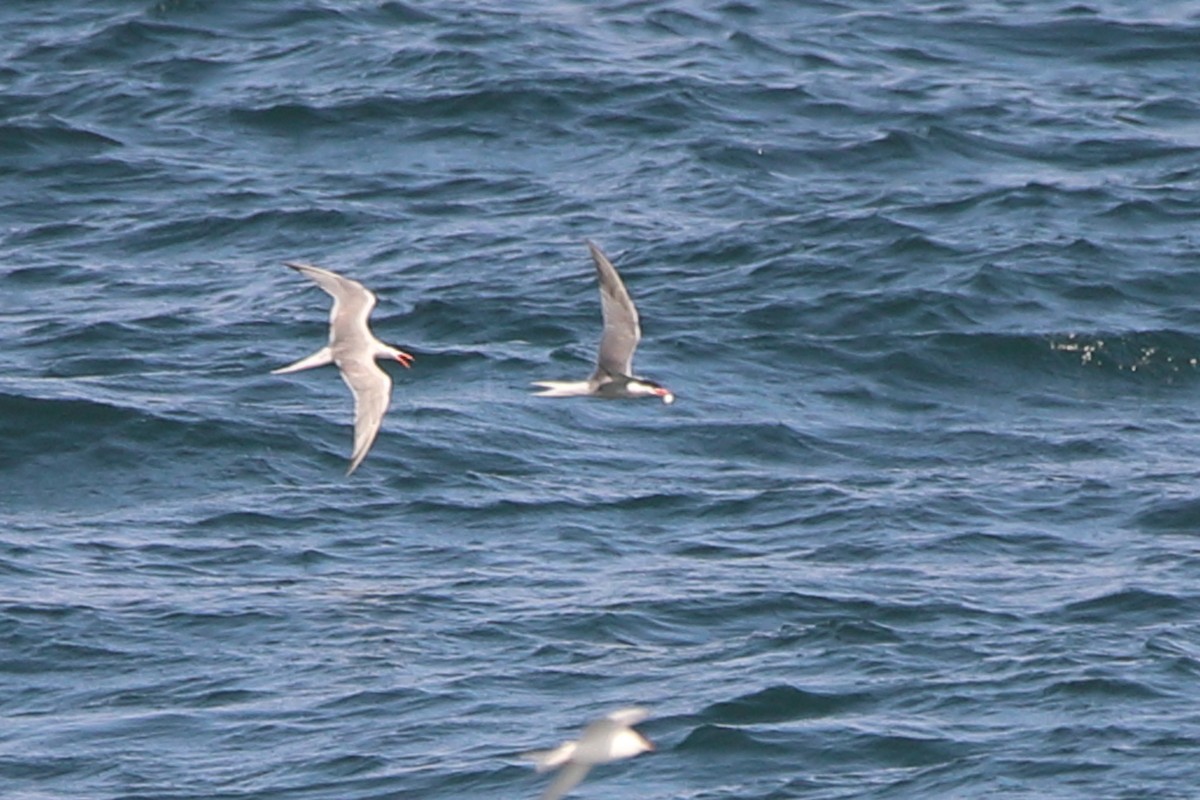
point(353, 348)
point(610, 738)
point(614, 376)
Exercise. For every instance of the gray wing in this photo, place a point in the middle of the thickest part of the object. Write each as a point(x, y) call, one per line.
point(621, 329)
point(630, 715)
point(352, 302)
point(566, 780)
point(372, 390)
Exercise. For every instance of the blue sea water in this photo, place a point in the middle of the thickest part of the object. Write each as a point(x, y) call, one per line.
point(923, 523)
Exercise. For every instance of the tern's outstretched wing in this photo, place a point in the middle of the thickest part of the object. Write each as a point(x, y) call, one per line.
point(372, 390)
point(567, 779)
point(621, 329)
point(352, 302)
point(631, 715)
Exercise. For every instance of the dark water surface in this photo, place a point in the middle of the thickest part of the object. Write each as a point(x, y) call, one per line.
point(923, 523)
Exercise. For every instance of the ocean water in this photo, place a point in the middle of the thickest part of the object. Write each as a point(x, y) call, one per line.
point(923, 523)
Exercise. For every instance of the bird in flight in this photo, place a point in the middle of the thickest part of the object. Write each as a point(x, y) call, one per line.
point(614, 376)
point(353, 348)
point(610, 738)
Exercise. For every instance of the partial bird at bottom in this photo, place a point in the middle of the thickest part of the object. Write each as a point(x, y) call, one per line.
point(608, 739)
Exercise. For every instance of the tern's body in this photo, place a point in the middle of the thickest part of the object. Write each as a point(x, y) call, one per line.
point(610, 738)
point(353, 348)
point(614, 376)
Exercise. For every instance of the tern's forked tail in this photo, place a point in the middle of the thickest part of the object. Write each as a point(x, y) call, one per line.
point(318, 359)
point(563, 388)
point(549, 759)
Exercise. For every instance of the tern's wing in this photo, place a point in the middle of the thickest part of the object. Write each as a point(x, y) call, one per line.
point(628, 716)
point(372, 390)
point(352, 302)
point(621, 329)
point(566, 780)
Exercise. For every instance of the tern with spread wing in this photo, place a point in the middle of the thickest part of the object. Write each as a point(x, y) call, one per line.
point(610, 738)
point(614, 376)
point(353, 348)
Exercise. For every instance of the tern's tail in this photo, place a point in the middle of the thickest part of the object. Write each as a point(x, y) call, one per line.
point(318, 359)
point(563, 388)
point(549, 759)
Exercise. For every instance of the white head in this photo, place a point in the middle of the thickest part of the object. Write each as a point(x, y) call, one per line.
point(613, 738)
point(627, 743)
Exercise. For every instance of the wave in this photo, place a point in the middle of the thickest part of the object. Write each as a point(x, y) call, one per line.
point(1132, 605)
point(780, 703)
point(50, 139)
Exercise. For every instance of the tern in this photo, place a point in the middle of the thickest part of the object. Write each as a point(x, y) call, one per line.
point(610, 738)
point(614, 376)
point(353, 348)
